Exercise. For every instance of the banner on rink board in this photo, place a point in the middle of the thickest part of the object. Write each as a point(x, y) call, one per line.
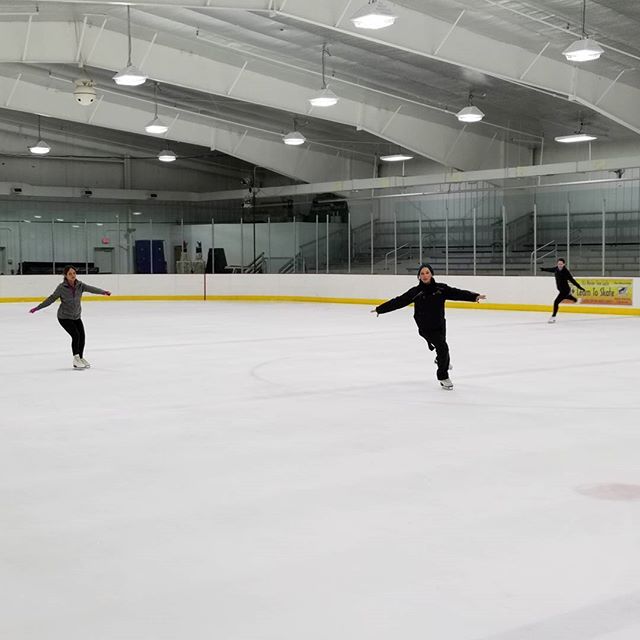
point(605, 291)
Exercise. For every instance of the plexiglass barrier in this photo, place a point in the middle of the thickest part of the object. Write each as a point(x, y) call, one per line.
point(479, 228)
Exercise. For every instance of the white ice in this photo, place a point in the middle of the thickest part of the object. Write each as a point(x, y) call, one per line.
point(270, 471)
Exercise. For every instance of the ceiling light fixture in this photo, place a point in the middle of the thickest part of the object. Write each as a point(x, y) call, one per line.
point(577, 136)
point(470, 113)
point(136, 213)
point(40, 148)
point(156, 126)
point(294, 138)
point(585, 49)
point(167, 156)
point(396, 157)
point(325, 97)
point(130, 76)
point(374, 15)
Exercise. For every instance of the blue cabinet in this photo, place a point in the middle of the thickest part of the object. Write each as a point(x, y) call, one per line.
point(149, 256)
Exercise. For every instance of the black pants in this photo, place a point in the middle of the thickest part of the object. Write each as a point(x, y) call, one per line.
point(563, 295)
point(438, 340)
point(75, 329)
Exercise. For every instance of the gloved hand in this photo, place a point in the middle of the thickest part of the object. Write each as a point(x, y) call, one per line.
point(33, 310)
point(107, 293)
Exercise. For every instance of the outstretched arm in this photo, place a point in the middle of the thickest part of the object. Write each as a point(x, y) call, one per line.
point(89, 289)
point(451, 293)
point(397, 303)
point(549, 269)
point(47, 301)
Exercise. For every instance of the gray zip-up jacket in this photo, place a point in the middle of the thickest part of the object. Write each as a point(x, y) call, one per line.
point(69, 308)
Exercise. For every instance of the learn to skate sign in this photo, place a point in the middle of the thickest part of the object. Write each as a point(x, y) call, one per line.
point(611, 291)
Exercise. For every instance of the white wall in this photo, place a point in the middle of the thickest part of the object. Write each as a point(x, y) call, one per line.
point(33, 241)
point(283, 244)
point(499, 290)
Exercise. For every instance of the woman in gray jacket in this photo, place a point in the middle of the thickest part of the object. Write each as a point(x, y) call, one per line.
point(70, 292)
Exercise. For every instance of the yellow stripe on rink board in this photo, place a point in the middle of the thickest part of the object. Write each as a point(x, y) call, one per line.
point(564, 308)
point(450, 304)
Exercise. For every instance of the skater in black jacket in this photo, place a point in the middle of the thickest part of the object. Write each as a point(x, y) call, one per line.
point(429, 298)
point(563, 278)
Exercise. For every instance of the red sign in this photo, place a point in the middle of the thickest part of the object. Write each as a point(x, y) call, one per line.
point(106, 240)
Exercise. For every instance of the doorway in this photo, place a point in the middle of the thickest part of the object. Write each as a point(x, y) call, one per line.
point(103, 259)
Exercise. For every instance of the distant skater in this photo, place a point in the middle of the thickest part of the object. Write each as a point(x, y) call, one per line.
point(563, 278)
point(429, 300)
point(70, 292)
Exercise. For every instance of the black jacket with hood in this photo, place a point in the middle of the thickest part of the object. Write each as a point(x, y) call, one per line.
point(563, 278)
point(429, 300)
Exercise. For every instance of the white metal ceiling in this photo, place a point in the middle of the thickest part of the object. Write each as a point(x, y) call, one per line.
point(400, 87)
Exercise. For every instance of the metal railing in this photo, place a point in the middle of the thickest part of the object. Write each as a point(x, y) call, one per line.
point(535, 258)
point(294, 265)
point(255, 266)
point(393, 251)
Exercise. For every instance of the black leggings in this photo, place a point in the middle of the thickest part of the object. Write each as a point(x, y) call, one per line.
point(563, 295)
point(75, 329)
point(437, 340)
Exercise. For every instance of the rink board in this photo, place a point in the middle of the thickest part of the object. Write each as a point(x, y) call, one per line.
point(508, 293)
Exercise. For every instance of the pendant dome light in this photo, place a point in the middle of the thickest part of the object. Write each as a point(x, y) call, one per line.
point(470, 113)
point(374, 15)
point(294, 138)
point(156, 126)
point(130, 76)
point(585, 49)
point(325, 97)
point(40, 148)
point(167, 156)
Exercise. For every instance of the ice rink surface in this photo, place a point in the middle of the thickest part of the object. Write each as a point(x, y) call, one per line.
point(271, 471)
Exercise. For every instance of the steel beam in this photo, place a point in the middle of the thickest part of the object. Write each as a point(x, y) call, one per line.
point(261, 150)
point(422, 130)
